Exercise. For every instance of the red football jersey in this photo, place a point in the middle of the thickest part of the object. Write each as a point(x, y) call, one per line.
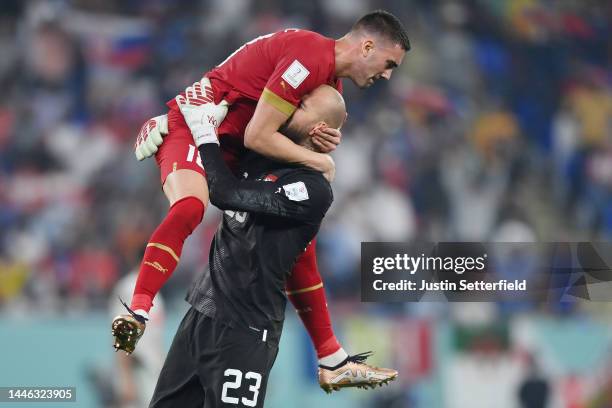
point(281, 67)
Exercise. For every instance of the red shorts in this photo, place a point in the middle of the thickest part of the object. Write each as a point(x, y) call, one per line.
point(178, 151)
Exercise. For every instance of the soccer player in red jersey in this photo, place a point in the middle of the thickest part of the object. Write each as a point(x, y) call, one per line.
point(263, 83)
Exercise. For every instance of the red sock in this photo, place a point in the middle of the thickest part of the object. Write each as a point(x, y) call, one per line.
point(305, 290)
point(164, 250)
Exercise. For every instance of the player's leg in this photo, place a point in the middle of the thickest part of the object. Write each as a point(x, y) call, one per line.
point(336, 368)
point(178, 384)
point(234, 371)
point(307, 294)
point(184, 185)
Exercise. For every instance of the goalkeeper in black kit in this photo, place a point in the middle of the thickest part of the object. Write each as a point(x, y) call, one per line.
point(227, 342)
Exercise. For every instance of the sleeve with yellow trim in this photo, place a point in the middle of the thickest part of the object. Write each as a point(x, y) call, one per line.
point(278, 102)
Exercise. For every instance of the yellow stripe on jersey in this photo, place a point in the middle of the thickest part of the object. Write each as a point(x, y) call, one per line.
point(309, 289)
point(278, 102)
point(164, 248)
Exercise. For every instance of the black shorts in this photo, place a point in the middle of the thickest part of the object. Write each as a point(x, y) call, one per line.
point(211, 364)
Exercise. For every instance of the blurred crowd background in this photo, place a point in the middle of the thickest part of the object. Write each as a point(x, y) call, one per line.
point(497, 127)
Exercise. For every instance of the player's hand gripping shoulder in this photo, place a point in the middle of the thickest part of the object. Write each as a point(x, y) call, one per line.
point(127, 329)
point(201, 113)
point(150, 137)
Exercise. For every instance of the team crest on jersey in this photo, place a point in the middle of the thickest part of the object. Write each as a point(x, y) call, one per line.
point(270, 177)
point(295, 74)
point(296, 191)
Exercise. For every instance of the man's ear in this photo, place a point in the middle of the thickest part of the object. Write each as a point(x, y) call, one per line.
point(319, 125)
point(366, 47)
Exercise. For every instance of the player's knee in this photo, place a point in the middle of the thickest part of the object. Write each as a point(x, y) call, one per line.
point(185, 183)
point(189, 211)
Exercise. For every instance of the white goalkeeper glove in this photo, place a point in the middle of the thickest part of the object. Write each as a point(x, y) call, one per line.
point(201, 113)
point(150, 137)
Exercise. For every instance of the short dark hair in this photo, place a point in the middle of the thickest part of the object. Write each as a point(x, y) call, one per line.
point(386, 24)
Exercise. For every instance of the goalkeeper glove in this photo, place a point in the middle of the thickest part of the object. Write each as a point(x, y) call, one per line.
point(201, 113)
point(150, 137)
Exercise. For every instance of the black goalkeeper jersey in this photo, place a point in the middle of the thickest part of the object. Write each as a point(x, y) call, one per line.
point(269, 219)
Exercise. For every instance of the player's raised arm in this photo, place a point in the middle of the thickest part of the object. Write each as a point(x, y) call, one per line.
point(302, 196)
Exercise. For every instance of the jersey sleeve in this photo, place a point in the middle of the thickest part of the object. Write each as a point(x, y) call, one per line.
point(297, 72)
point(301, 195)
